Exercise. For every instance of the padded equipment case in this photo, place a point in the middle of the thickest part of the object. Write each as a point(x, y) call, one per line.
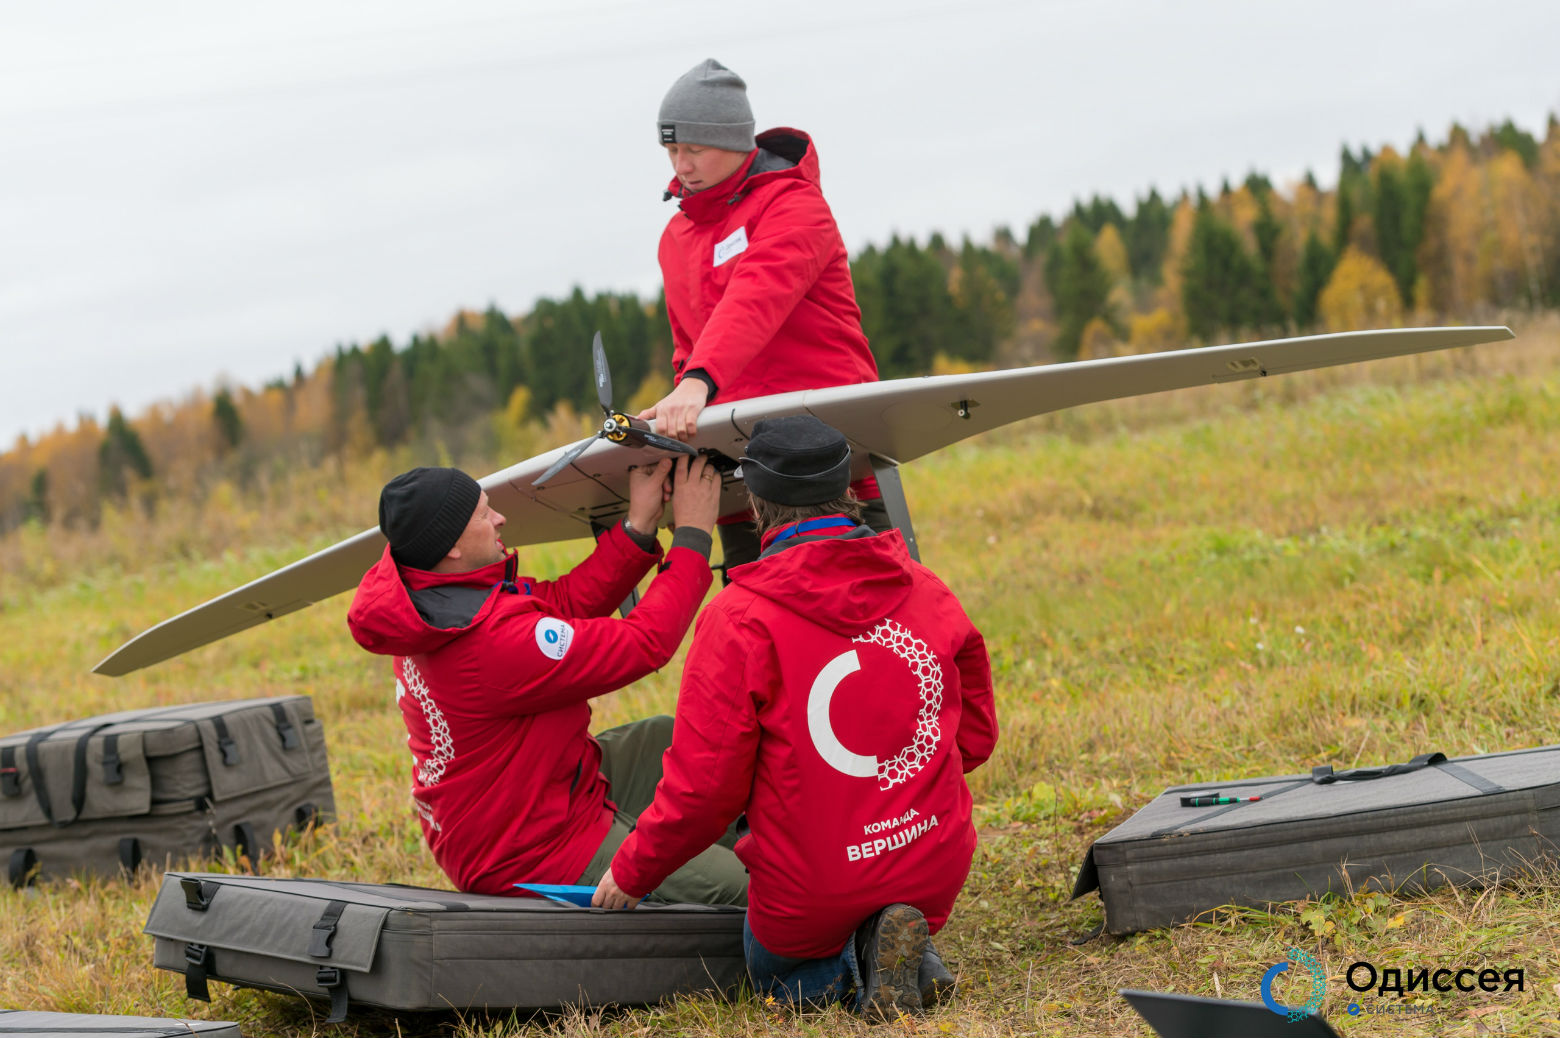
point(111, 792)
point(409, 948)
point(1427, 823)
point(87, 1025)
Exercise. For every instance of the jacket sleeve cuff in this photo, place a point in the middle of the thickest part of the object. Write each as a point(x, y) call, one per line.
point(706, 378)
point(627, 873)
point(696, 539)
point(644, 540)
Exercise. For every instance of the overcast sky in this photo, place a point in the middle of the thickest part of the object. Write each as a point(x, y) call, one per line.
point(196, 192)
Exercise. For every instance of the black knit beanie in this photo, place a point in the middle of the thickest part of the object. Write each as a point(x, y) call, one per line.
point(422, 513)
point(796, 460)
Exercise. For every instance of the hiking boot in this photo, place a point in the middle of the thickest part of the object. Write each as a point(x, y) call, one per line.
point(934, 979)
point(888, 948)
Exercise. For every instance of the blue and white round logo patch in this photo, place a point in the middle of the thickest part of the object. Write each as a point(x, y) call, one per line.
point(553, 637)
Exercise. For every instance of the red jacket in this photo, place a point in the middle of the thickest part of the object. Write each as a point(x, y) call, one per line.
point(837, 693)
point(758, 282)
point(493, 674)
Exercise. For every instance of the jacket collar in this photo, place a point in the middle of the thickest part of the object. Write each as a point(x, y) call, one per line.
point(500, 572)
point(780, 152)
point(707, 206)
point(820, 528)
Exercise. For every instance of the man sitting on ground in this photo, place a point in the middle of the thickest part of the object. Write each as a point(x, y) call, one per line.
point(838, 694)
point(494, 673)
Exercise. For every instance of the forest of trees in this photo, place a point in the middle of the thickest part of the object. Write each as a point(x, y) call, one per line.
point(1462, 230)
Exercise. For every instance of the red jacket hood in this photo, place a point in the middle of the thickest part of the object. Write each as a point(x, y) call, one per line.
point(384, 620)
point(844, 584)
point(791, 145)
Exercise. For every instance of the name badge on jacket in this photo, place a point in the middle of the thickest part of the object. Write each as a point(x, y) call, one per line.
point(734, 244)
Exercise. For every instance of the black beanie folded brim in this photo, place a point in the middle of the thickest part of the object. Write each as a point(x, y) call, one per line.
point(423, 512)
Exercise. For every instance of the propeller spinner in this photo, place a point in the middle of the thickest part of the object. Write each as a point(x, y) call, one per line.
point(616, 427)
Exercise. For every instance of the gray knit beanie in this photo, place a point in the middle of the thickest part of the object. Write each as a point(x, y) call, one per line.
point(708, 105)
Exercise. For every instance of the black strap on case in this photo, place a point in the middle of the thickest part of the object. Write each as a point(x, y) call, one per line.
point(199, 964)
point(334, 981)
point(129, 853)
point(325, 929)
point(247, 843)
point(113, 769)
point(198, 895)
point(10, 775)
point(19, 870)
point(285, 729)
point(225, 742)
point(306, 816)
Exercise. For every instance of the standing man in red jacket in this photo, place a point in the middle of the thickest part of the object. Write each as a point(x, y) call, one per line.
point(494, 674)
point(757, 278)
point(837, 693)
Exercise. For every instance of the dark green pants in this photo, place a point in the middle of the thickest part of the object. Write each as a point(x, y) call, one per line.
point(631, 761)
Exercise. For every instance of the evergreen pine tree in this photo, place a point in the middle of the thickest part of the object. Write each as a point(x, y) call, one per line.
point(36, 506)
point(1220, 282)
point(1148, 236)
point(230, 426)
point(1316, 267)
point(121, 454)
point(1080, 287)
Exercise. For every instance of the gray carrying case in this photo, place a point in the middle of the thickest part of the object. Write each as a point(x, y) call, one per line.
point(87, 1025)
point(408, 948)
point(148, 786)
point(1419, 825)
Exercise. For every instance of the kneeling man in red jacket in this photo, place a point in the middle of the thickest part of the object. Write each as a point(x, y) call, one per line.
point(494, 673)
point(836, 693)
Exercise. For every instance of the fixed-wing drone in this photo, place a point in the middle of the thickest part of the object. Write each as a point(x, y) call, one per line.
point(576, 490)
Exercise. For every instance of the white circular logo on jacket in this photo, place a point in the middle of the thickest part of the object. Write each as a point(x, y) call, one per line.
point(928, 733)
point(553, 637)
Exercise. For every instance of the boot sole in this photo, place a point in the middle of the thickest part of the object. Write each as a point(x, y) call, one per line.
point(900, 941)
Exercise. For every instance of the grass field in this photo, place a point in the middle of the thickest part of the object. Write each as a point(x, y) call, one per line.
point(1349, 567)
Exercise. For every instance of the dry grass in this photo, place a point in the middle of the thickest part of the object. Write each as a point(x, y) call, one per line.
point(1346, 567)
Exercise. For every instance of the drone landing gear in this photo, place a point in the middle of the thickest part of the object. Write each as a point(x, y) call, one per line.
point(893, 491)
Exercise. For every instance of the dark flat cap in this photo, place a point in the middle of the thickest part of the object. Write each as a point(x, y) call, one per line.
point(796, 460)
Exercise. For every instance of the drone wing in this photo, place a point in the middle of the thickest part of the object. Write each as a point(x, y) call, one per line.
point(895, 421)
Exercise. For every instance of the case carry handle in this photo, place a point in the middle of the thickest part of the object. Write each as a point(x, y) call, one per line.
point(1323, 774)
point(78, 779)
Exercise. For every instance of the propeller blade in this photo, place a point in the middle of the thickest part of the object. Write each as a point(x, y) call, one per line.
point(598, 358)
point(567, 460)
point(666, 443)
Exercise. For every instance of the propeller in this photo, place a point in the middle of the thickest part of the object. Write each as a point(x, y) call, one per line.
point(617, 427)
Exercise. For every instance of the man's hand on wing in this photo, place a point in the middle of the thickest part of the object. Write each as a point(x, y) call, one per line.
point(695, 493)
point(647, 495)
point(677, 414)
point(609, 895)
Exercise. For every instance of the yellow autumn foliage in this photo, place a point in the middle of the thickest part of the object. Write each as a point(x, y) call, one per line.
point(1161, 329)
point(1360, 294)
point(1098, 340)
